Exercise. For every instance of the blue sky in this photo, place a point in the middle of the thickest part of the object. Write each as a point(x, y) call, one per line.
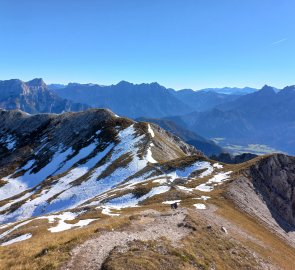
point(178, 43)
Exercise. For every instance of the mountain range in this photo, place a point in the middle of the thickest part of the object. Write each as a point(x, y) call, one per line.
point(264, 117)
point(239, 117)
point(34, 97)
point(143, 100)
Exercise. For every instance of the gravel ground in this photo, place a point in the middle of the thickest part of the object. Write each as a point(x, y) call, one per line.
point(150, 226)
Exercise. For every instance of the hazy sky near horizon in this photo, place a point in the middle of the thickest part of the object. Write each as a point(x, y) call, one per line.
point(178, 43)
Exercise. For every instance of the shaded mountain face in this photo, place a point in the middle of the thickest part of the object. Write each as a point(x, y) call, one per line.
point(126, 99)
point(52, 162)
point(143, 100)
point(230, 159)
point(208, 147)
point(265, 189)
point(34, 97)
point(203, 100)
point(264, 117)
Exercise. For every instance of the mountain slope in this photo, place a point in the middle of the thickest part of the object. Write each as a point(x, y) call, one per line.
point(34, 97)
point(206, 146)
point(53, 162)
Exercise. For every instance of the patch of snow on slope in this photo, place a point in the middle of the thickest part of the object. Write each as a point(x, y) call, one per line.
point(204, 198)
point(17, 239)
point(107, 210)
point(200, 206)
point(215, 180)
point(9, 141)
point(149, 156)
point(129, 200)
point(217, 165)
point(6, 206)
point(185, 189)
point(62, 225)
point(83, 153)
point(187, 171)
point(40, 205)
point(150, 130)
point(171, 202)
point(30, 179)
point(91, 187)
point(14, 228)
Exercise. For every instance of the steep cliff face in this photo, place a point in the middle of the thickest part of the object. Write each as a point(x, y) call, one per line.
point(34, 97)
point(274, 178)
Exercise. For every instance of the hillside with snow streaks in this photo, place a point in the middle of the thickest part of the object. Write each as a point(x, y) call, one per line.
point(97, 152)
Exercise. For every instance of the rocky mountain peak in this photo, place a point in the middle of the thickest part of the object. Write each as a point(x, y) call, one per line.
point(37, 82)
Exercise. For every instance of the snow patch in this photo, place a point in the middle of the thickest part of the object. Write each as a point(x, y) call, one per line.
point(171, 202)
point(17, 239)
point(150, 130)
point(204, 198)
point(217, 166)
point(215, 180)
point(200, 206)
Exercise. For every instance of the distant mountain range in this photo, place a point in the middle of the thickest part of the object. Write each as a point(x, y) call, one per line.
point(263, 117)
point(144, 100)
point(34, 97)
point(240, 116)
point(231, 90)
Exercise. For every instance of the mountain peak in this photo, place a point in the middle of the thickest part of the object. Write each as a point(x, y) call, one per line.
point(37, 82)
point(124, 83)
point(267, 89)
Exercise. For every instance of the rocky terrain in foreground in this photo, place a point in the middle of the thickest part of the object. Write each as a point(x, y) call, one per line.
point(91, 190)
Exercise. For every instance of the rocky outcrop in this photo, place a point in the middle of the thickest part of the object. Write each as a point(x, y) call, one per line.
point(274, 178)
point(34, 97)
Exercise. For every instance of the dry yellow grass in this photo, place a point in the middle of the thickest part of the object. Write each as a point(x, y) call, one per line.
point(202, 249)
point(47, 250)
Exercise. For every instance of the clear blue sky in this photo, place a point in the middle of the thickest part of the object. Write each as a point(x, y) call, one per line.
point(178, 43)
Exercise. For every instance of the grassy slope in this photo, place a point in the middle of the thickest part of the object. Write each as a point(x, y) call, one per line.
point(202, 249)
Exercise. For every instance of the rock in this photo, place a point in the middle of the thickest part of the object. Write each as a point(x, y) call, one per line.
point(224, 230)
point(274, 178)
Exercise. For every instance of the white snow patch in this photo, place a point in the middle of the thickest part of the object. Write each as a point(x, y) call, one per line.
point(171, 202)
point(14, 228)
point(204, 198)
point(215, 180)
point(107, 210)
point(200, 206)
point(62, 225)
point(185, 189)
point(217, 165)
point(9, 141)
point(129, 200)
point(150, 130)
point(30, 179)
point(17, 239)
point(160, 181)
point(149, 156)
point(187, 171)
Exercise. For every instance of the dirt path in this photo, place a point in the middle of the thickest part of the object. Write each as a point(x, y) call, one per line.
point(150, 226)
